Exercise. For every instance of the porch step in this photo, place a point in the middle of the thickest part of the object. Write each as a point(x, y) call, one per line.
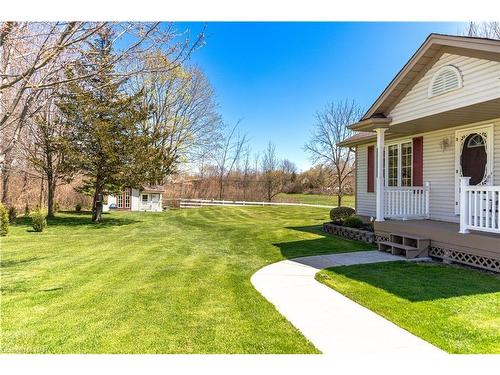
point(405, 244)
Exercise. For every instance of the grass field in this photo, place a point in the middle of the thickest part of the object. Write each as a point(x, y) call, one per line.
point(327, 200)
point(454, 308)
point(173, 282)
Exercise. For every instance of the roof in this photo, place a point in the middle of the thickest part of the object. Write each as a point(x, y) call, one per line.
point(430, 50)
point(152, 188)
point(358, 137)
point(434, 46)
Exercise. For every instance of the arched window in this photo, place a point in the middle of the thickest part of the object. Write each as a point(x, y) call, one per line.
point(446, 79)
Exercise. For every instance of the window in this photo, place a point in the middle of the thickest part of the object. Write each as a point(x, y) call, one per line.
point(406, 156)
point(398, 164)
point(446, 79)
point(392, 168)
point(119, 201)
point(127, 198)
point(144, 198)
point(475, 140)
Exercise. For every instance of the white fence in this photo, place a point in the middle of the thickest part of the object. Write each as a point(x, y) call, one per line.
point(479, 207)
point(196, 203)
point(406, 202)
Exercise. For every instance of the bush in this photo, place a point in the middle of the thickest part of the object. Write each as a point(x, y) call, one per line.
point(57, 207)
point(353, 222)
point(12, 214)
point(26, 210)
point(4, 220)
point(78, 207)
point(339, 214)
point(38, 220)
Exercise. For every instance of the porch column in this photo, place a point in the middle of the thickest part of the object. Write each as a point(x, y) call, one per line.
point(380, 174)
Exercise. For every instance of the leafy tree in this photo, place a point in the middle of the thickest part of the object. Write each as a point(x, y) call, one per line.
point(103, 120)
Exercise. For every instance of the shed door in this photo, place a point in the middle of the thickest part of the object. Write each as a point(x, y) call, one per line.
point(473, 158)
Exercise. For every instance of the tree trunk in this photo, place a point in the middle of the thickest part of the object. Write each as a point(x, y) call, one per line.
point(339, 199)
point(51, 191)
point(97, 205)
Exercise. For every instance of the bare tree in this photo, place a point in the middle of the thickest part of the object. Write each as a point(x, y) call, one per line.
point(272, 177)
point(483, 29)
point(47, 149)
point(331, 128)
point(226, 155)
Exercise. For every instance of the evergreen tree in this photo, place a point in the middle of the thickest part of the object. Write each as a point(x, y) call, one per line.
point(103, 119)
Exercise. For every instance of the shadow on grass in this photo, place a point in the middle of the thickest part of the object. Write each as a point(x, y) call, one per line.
point(16, 262)
point(79, 219)
point(325, 244)
point(418, 282)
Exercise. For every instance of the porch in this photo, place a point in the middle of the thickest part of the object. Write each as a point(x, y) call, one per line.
point(479, 249)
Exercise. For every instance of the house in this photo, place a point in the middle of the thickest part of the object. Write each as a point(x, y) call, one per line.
point(428, 154)
point(147, 198)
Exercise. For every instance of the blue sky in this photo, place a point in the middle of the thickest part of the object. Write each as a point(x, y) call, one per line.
point(275, 76)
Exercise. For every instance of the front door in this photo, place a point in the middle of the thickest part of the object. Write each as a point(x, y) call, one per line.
point(473, 158)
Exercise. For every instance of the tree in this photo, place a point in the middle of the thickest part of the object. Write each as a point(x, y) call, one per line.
point(103, 120)
point(226, 154)
point(483, 29)
point(49, 151)
point(183, 121)
point(330, 129)
point(272, 177)
point(35, 55)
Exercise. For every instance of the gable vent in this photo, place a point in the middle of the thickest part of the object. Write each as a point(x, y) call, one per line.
point(446, 79)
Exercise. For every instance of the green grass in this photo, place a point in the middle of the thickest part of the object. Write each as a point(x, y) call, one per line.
point(328, 200)
point(173, 282)
point(454, 308)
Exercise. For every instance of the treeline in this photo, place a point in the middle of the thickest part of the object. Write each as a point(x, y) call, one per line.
point(99, 106)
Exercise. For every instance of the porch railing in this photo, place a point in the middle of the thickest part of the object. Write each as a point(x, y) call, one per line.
point(479, 207)
point(406, 202)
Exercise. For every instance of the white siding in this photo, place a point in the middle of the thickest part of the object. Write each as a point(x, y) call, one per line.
point(439, 170)
point(481, 82)
point(134, 203)
point(365, 202)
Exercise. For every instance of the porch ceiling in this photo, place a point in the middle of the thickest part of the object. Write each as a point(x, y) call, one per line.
point(483, 111)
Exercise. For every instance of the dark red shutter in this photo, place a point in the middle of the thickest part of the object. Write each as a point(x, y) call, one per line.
point(370, 187)
point(418, 161)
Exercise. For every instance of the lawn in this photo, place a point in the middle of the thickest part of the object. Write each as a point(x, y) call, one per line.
point(173, 282)
point(454, 308)
point(327, 200)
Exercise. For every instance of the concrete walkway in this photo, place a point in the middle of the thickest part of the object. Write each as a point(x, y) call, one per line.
point(331, 321)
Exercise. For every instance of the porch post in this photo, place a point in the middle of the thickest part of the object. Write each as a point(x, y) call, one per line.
point(464, 205)
point(380, 175)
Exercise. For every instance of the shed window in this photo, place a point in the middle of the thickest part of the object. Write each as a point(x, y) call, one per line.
point(446, 79)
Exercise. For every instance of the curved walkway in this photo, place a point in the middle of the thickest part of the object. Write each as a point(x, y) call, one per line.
point(332, 322)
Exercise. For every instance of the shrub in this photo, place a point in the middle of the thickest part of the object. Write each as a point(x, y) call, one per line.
point(4, 220)
point(26, 210)
point(353, 222)
point(38, 220)
point(78, 207)
point(12, 214)
point(339, 214)
point(56, 207)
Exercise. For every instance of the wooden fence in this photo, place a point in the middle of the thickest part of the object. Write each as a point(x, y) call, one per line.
point(196, 203)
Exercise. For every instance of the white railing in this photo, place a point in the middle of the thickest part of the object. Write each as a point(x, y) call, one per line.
point(194, 203)
point(479, 207)
point(406, 202)
point(150, 206)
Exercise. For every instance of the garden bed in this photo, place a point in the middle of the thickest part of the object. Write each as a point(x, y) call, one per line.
point(363, 235)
